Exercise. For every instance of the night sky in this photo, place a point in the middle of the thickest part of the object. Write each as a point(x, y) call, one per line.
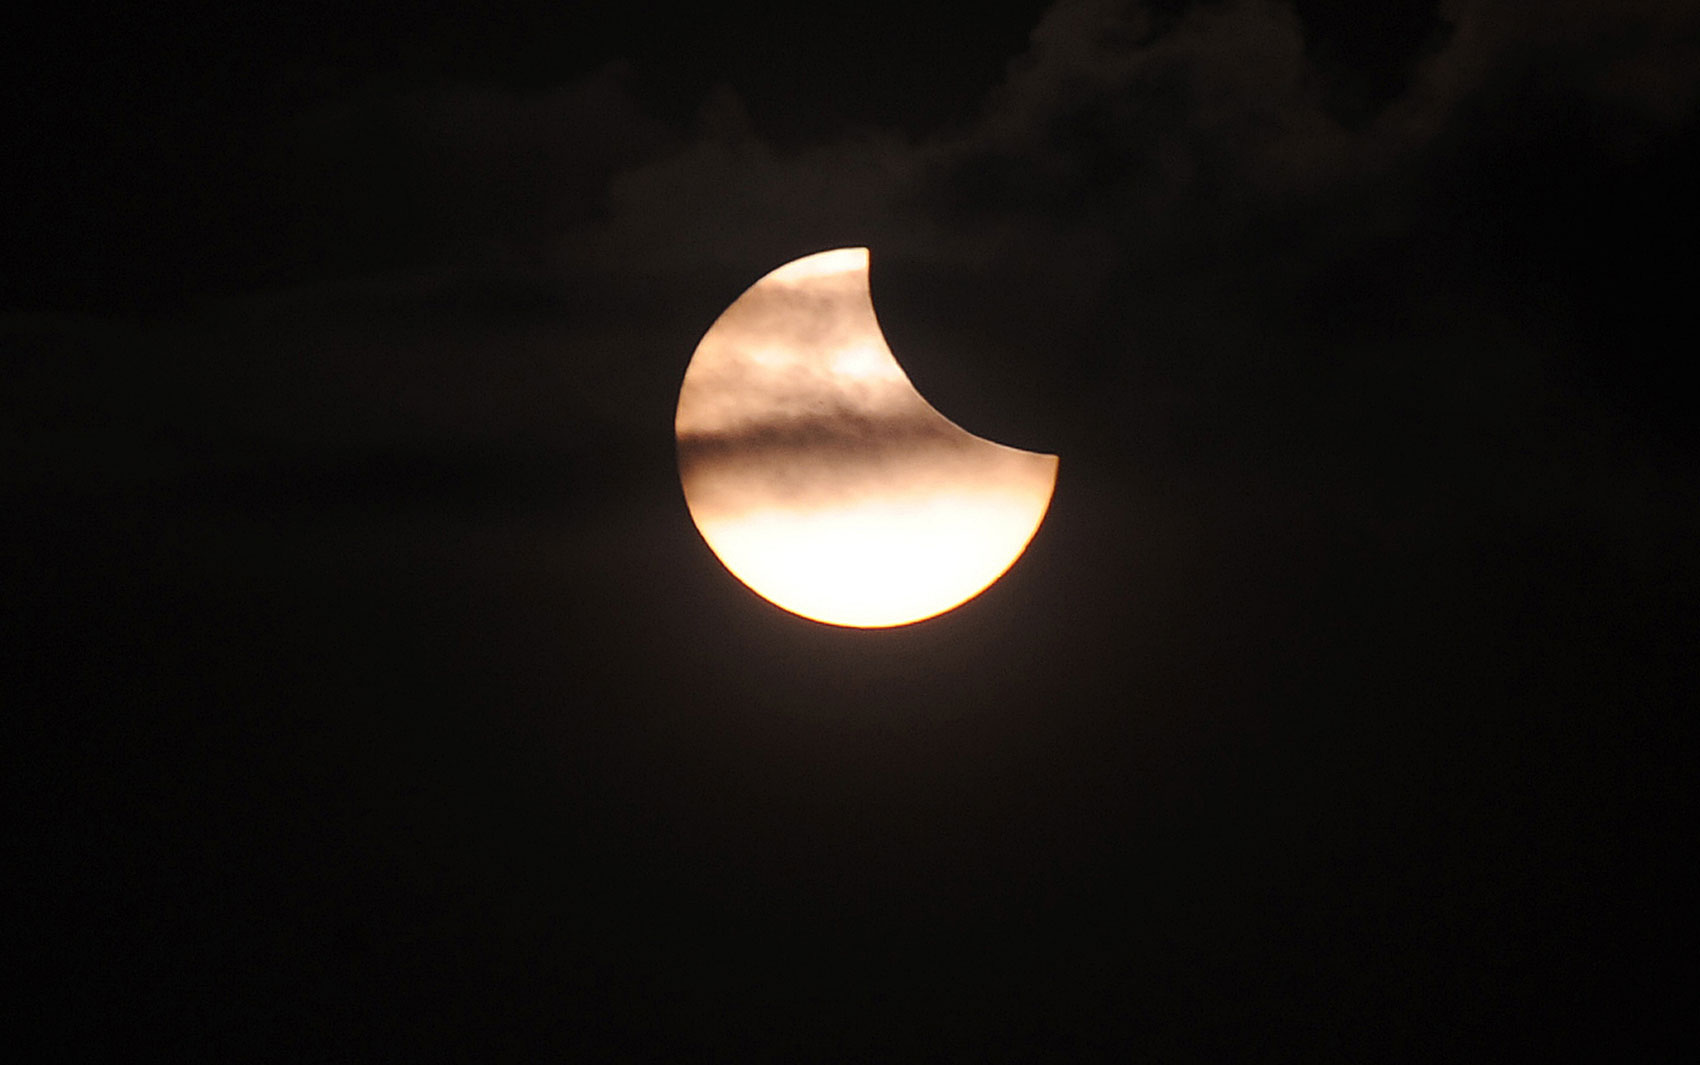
point(370, 696)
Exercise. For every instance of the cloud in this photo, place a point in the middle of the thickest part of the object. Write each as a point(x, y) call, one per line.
point(727, 196)
point(1159, 232)
point(1105, 86)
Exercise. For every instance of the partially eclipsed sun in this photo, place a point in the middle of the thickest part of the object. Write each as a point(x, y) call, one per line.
point(822, 479)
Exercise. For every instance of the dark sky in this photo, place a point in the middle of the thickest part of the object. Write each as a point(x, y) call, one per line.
point(370, 695)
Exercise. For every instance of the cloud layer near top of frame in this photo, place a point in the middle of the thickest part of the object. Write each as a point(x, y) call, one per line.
point(1162, 210)
point(1116, 109)
point(1117, 114)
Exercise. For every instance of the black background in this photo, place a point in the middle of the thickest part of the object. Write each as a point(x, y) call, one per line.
point(371, 695)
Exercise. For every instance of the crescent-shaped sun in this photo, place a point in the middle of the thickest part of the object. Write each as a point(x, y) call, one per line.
point(822, 479)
